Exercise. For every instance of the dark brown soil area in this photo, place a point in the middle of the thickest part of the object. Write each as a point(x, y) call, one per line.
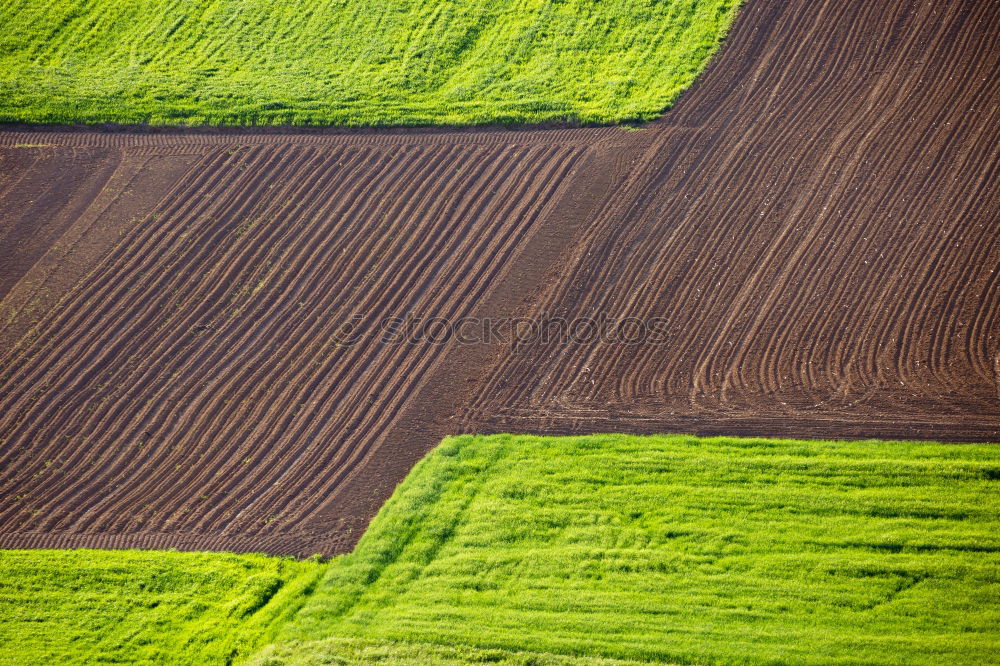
point(817, 226)
point(198, 383)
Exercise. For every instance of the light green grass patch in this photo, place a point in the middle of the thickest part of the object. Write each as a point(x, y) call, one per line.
point(358, 651)
point(676, 549)
point(351, 62)
point(88, 606)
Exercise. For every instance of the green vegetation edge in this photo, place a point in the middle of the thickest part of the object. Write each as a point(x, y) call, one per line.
point(352, 63)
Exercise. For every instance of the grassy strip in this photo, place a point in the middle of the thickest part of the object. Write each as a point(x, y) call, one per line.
point(353, 62)
point(383, 653)
point(86, 606)
point(673, 549)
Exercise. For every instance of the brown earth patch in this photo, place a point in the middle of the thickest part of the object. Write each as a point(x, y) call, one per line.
point(200, 388)
point(824, 249)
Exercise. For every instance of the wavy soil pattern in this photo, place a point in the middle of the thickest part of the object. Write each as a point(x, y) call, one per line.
point(200, 380)
point(816, 223)
point(817, 226)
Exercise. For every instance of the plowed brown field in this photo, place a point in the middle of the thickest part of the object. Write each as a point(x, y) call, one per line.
point(200, 380)
point(816, 223)
point(819, 224)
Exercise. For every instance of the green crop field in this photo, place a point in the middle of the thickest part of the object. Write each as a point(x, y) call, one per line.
point(674, 549)
point(86, 606)
point(351, 62)
point(575, 551)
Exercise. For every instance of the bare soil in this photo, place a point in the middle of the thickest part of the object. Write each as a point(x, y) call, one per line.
point(817, 222)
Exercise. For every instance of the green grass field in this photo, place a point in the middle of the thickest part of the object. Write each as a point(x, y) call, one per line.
point(351, 62)
point(674, 549)
point(575, 551)
point(87, 606)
